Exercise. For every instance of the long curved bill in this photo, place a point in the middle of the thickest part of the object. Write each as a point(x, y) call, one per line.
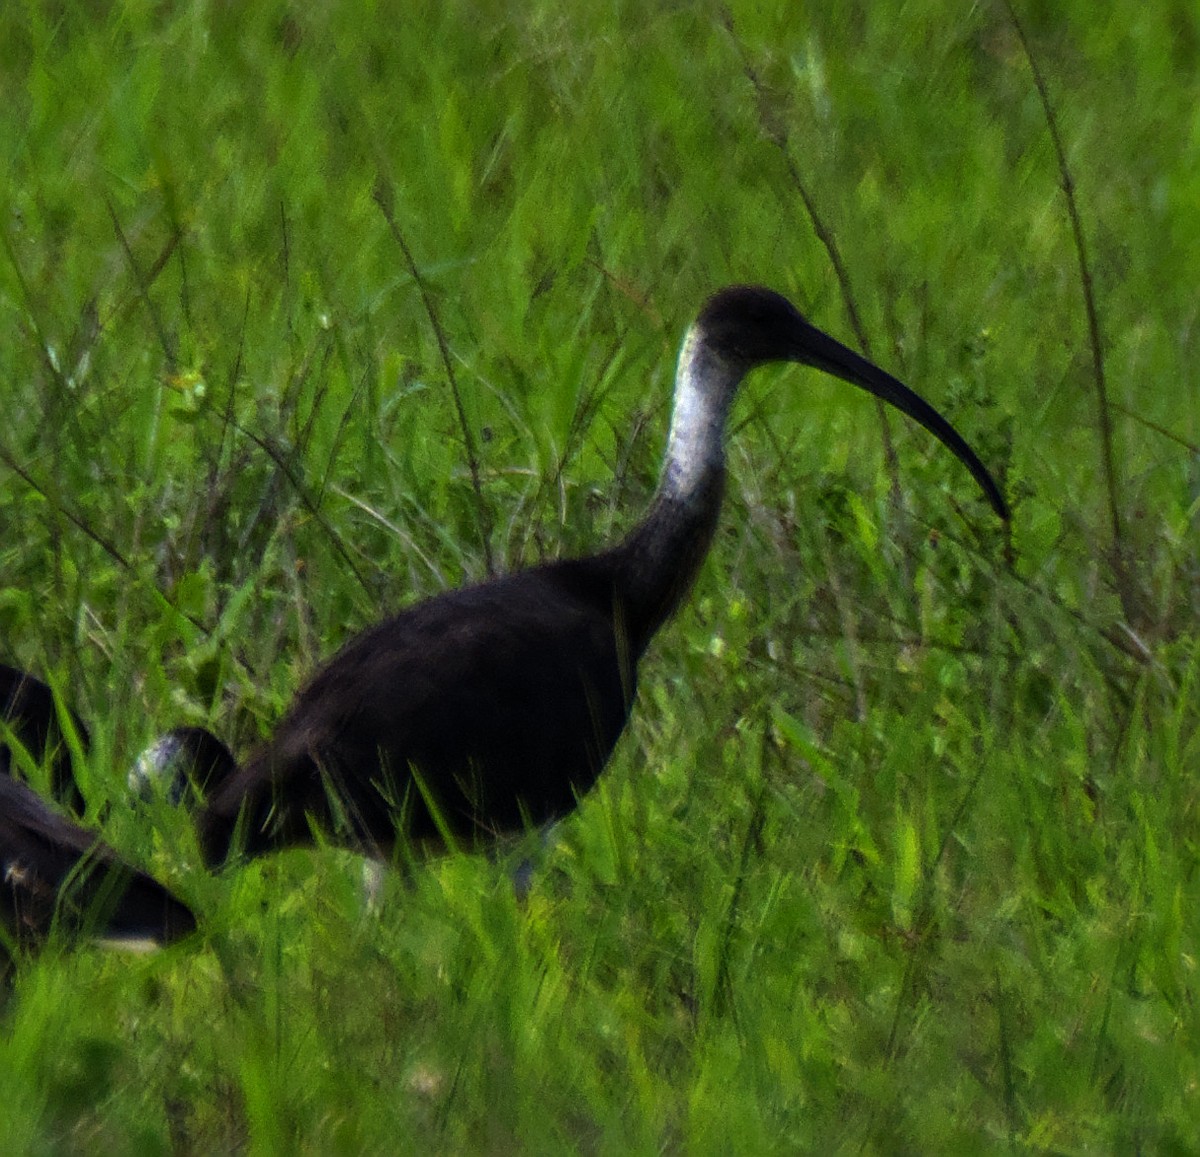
point(817, 349)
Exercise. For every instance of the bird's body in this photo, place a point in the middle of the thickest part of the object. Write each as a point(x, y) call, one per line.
point(183, 765)
point(505, 700)
point(28, 715)
point(52, 870)
point(491, 709)
point(55, 873)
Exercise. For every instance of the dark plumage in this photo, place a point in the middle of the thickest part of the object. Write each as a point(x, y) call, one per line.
point(489, 709)
point(51, 869)
point(28, 716)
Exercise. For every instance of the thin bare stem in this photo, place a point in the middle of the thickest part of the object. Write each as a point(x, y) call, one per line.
point(9, 460)
point(143, 284)
point(1161, 431)
point(80, 523)
point(385, 200)
point(1103, 410)
point(310, 503)
point(778, 136)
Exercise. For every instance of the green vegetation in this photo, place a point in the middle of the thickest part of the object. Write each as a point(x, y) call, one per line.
point(900, 851)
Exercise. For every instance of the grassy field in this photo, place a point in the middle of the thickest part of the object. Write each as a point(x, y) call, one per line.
point(900, 852)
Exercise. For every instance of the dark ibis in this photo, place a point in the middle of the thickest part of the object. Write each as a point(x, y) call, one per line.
point(490, 710)
point(186, 761)
point(30, 719)
point(52, 871)
point(184, 765)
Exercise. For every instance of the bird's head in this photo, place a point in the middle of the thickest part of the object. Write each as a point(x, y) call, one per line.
point(746, 326)
point(185, 764)
point(751, 326)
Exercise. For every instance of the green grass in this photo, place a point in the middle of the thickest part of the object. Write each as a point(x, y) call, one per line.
point(899, 853)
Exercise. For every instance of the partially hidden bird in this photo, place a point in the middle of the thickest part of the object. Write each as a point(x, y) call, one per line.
point(54, 873)
point(29, 718)
point(491, 710)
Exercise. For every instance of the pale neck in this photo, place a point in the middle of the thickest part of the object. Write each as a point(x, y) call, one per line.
point(704, 387)
point(657, 562)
